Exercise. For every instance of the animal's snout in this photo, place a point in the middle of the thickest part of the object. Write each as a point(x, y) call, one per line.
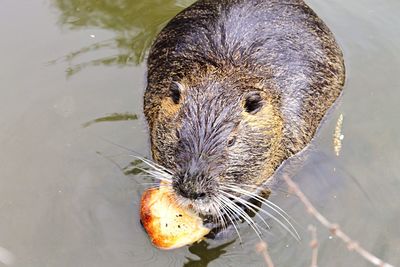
point(191, 191)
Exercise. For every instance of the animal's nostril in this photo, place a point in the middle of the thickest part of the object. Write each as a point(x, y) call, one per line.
point(183, 192)
point(190, 194)
point(186, 191)
point(201, 195)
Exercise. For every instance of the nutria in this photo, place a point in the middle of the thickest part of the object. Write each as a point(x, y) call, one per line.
point(236, 87)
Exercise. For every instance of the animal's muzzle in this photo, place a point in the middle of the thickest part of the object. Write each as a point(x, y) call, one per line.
point(190, 189)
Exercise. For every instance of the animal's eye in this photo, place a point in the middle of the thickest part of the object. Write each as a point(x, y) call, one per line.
point(231, 141)
point(175, 92)
point(253, 102)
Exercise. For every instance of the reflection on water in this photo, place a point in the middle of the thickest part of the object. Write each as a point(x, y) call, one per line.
point(112, 117)
point(134, 23)
point(338, 136)
point(206, 255)
point(134, 168)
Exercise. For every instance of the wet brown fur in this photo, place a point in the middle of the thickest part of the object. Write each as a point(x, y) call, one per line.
point(219, 52)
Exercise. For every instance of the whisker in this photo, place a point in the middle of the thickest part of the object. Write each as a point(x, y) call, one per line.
point(244, 202)
point(235, 208)
point(229, 214)
point(264, 201)
point(268, 203)
point(261, 199)
point(250, 186)
point(225, 209)
point(160, 173)
point(152, 164)
point(156, 175)
point(270, 186)
point(220, 218)
point(148, 176)
point(118, 145)
point(158, 185)
point(265, 212)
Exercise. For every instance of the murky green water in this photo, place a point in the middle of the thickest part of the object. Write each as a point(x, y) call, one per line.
point(72, 75)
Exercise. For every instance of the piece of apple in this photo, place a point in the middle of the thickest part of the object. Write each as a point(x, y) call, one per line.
point(168, 225)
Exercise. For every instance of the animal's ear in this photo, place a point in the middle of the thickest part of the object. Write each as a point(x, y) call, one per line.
point(253, 102)
point(175, 92)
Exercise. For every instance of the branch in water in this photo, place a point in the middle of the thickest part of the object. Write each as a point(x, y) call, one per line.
point(334, 228)
point(262, 248)
point(314, 245)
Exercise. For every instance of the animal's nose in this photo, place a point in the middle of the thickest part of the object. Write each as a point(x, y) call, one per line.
point(200, 195)
point(191, 193)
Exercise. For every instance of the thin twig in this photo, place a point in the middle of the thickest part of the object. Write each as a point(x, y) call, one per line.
point(334, 228)
point(313, 245)
point(262, 248)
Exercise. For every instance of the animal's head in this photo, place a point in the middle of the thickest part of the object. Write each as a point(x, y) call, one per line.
point(213, 135)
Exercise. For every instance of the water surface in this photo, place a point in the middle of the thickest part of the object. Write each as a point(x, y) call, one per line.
point(72, 77)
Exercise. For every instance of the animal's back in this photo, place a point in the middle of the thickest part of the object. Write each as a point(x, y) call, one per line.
point(284, 43)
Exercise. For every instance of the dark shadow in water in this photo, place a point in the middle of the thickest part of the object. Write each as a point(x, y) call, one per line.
point(111, 118)
point(134, 168)
point(205, 254)
point(134, 23)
